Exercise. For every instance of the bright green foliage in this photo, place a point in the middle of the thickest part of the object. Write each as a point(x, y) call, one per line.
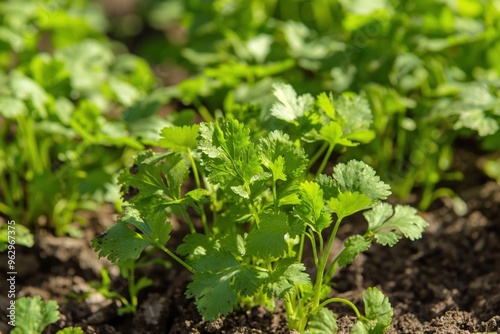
point(120, 243)
point(229, 157)
point(179, 139)
point(290, 106)
point(62, 139)
point(22, 236)
point(388, 224)
point(311, 207)
point(33, 315)
point(378, 312)
point(323, 322)
point(269, 239)
point(264, 206)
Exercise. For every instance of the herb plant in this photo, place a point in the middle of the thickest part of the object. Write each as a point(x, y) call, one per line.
point(254, 203)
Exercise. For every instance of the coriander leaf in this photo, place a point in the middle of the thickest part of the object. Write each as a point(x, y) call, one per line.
point(347, 203)
point(180, 139)
point(269, 238)
point(476, 119)
point(159, 175)
point(355, 245)
point(387, 224)
point(216, 261)
point(195, 245)
point(356, 176)
point(34, 314)
point(332, 133)
point(213, 293)
point(311, 208)
point(120, 243)
point(354, 111)
point(228, 155)
point(325, 102)
point(378, 313)
point(290, 107)
point(286, 273)
point(218, 279)
point(248, 280)
point(323, 322)
point(285, 161)
point(328, 185)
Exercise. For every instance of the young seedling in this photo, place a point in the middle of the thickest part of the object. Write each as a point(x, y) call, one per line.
point(263, 205)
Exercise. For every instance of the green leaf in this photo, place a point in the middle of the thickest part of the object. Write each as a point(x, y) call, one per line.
point(228, 155)
point(155, 175)
point(388, 224)
point(325, 102)
point(120, 243)
point(180, 139)
point(290, 106)
point(213, 293)
point(11, 107)
point(323, 322)
point(33, 315)
point(476, 119)
point(30, 91)
point(347, 203)
point(378, 313)
point(51, 74)
point(285, 275)
point(23, 236)
point(268, 240)
point(356, 176)
point(354, 111)
point(285, 161)
point(312, 208)
point(355, 245)
point(332, 133)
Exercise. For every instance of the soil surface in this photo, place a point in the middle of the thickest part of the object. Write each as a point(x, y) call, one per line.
point(447, 282)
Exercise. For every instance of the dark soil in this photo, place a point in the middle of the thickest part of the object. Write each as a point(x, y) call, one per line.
point(447, 282)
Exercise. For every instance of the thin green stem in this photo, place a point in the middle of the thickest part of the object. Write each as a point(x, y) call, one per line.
point(198, 185)
point(338, 300)
point(322, 265)
point(318, 154)
point(176, 258)
point(275, 197)
point(325, 160)
point(131, 286)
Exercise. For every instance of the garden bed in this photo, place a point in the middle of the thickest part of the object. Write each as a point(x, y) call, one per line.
point(447, 282)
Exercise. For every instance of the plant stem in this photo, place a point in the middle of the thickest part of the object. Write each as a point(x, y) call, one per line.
point(175, 257)
point(318, 153)
point(322, 264)
point(325, 160)
point(338, 300)
point(198, 185)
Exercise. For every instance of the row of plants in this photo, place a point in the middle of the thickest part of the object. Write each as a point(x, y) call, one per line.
point(74, 105)
point(429, 71)
point(297, 99)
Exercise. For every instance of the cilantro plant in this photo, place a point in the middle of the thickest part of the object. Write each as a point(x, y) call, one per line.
point(253, 204)
point(33, 315)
